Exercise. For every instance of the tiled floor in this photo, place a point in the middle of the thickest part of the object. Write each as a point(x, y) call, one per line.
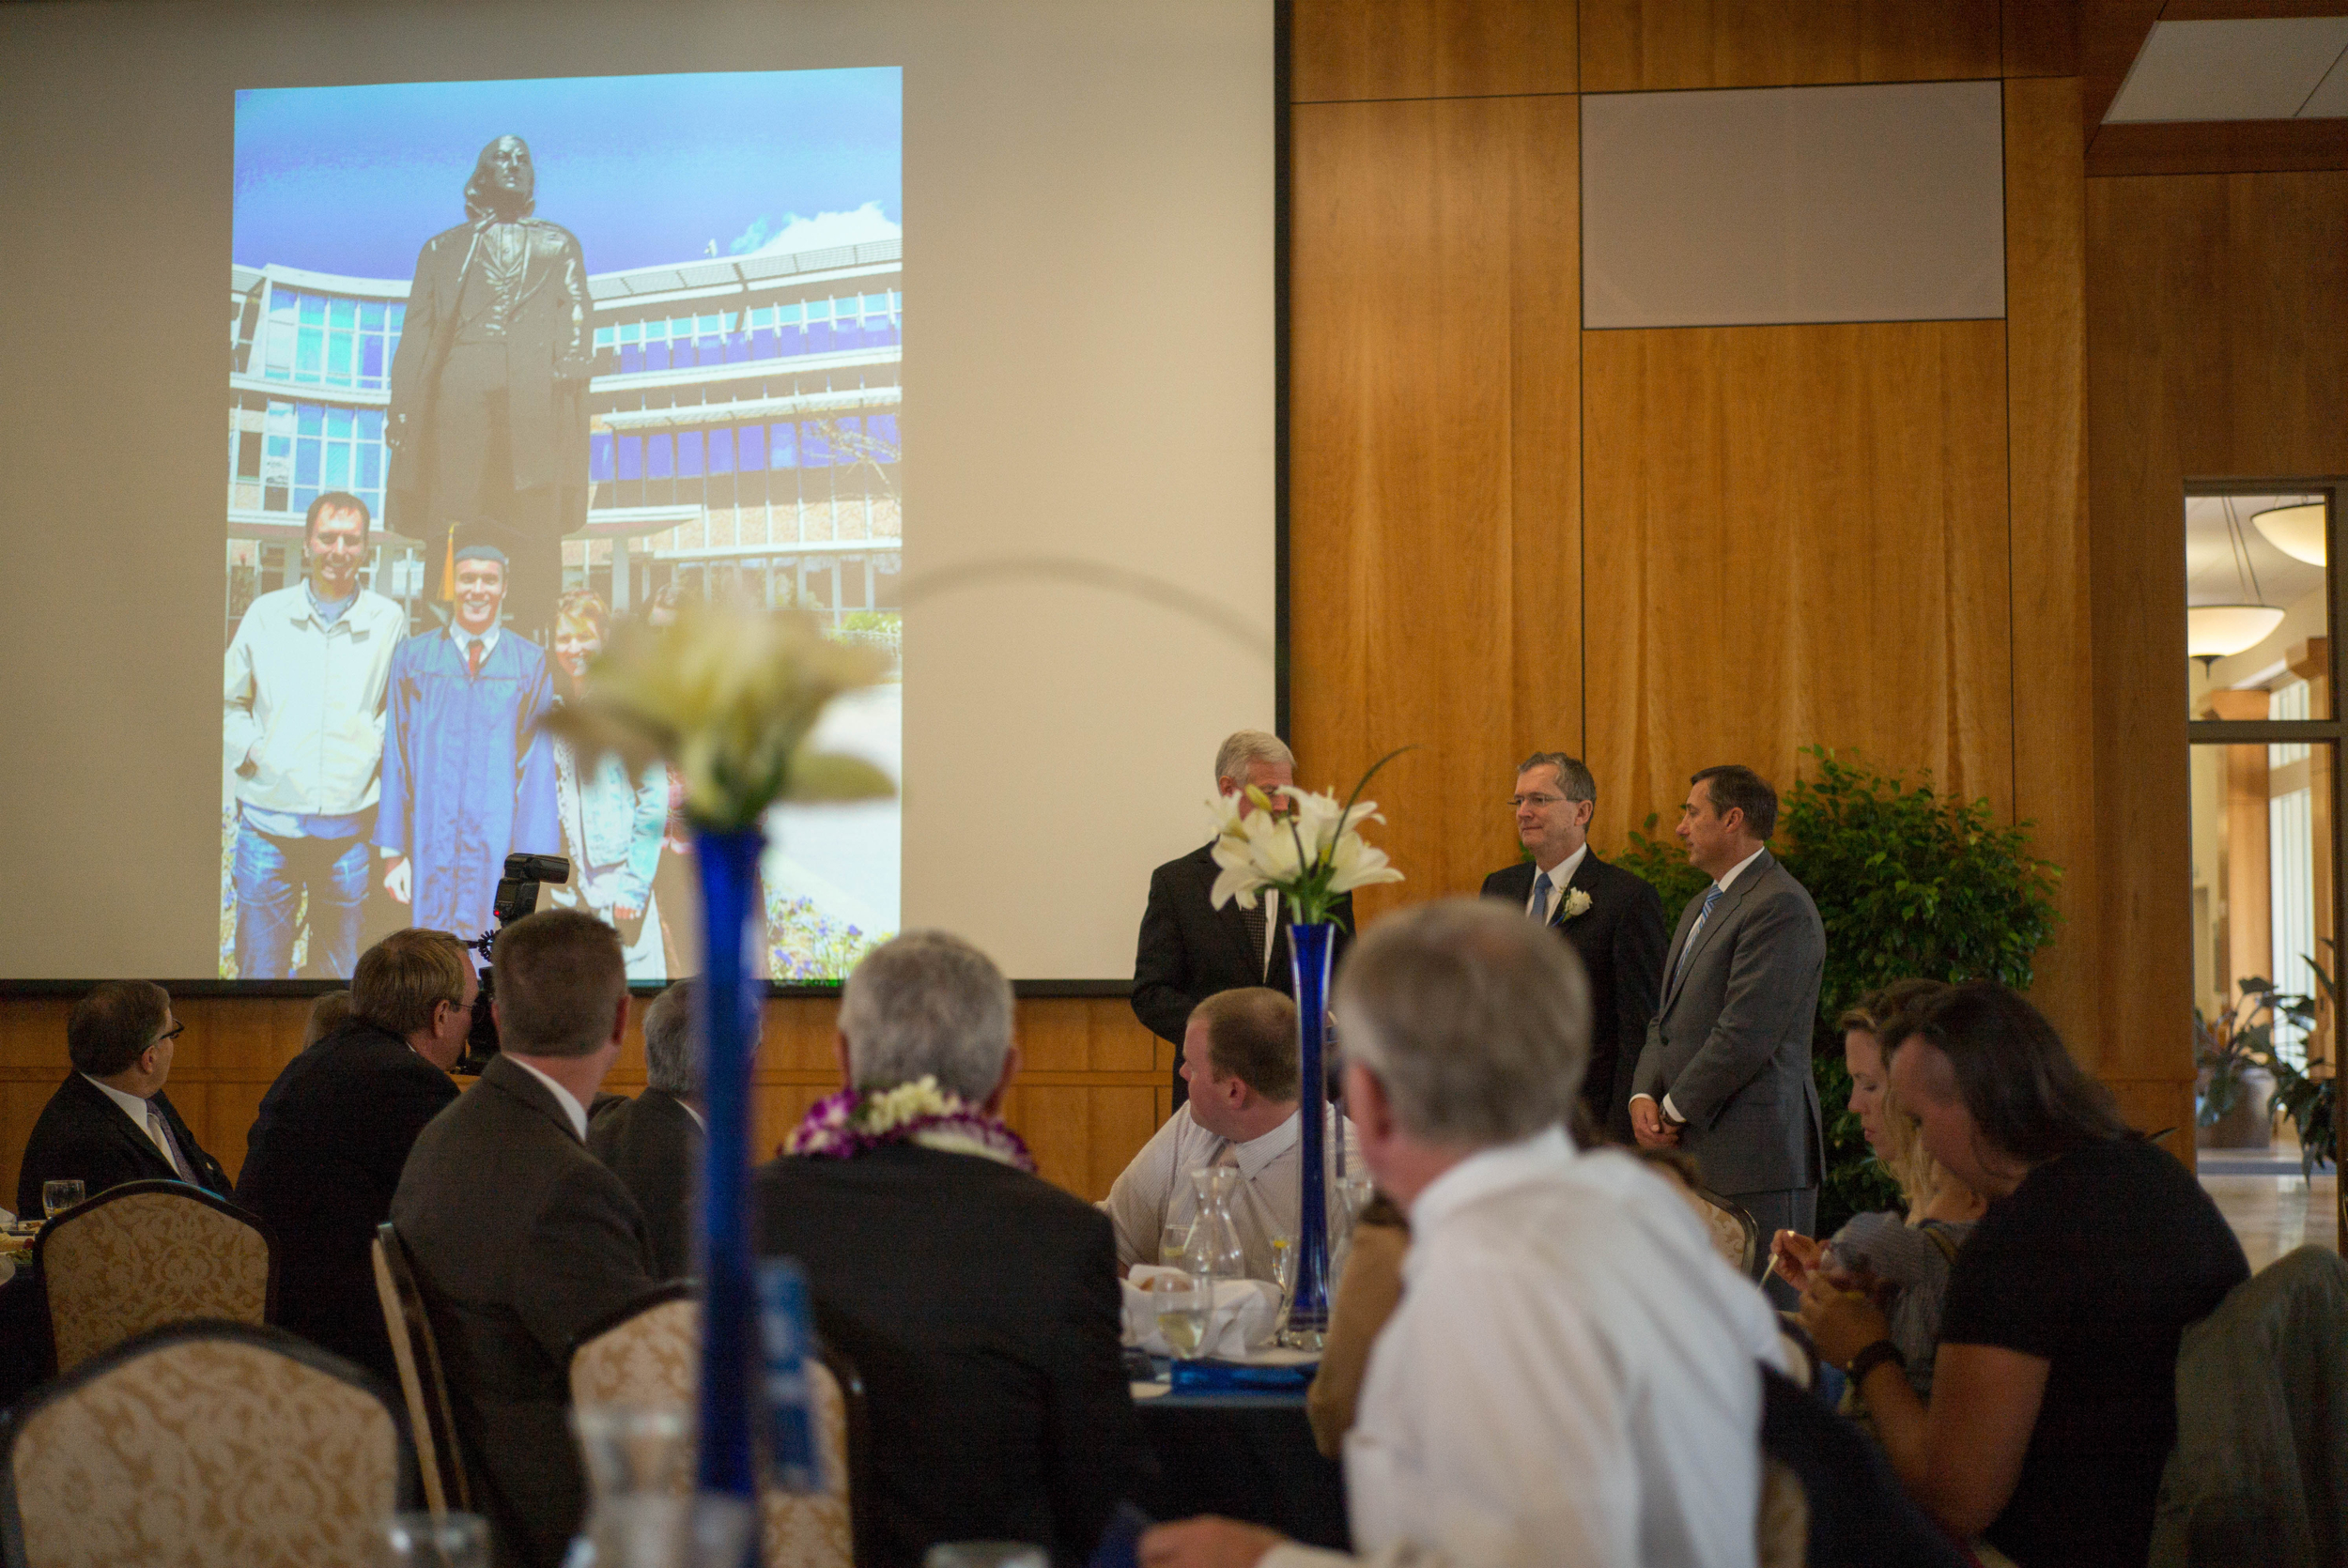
point(2274, 1211)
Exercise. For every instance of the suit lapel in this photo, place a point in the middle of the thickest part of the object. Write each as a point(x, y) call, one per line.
point(1234, 921)
point(1584, 877)
point(1730, 903)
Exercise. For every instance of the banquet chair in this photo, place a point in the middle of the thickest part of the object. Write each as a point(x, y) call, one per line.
point(430, 1421)
point(201, 1445)
point(2259, 1473)
point(648, 1352)
point(1735, 1233)
point(146, 1253)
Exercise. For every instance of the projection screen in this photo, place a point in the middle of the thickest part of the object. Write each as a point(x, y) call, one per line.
point(953, 324)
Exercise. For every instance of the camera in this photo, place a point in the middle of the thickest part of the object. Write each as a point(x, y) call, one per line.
point(517, 896)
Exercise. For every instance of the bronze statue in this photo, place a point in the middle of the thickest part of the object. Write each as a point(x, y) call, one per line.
point(489, 417)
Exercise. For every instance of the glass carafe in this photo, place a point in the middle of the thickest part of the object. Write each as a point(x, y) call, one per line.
point(1214, 1250)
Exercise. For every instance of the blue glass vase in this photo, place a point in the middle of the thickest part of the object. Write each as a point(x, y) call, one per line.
point(1308, 1304)
point(728, 1005)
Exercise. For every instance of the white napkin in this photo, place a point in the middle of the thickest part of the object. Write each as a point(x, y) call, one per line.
point(1247, 1313)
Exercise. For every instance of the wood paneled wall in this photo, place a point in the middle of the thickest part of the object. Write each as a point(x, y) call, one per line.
point(1667, 548)
point(2217, 348)
point(1092, 1085)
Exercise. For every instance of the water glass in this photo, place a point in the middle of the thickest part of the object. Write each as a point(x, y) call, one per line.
point(58, 1196)
point(420, 1541)
point(1184, 1303)
point(640, 1459)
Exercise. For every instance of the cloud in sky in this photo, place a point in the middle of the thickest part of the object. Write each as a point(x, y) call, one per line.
point(821, 232)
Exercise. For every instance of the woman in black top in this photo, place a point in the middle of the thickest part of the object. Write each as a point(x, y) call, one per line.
point(2054, 1395)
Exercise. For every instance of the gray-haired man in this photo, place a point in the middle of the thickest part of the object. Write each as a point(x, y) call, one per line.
point(1569, 1378)
point(1188, 949)
point(653, 1142)
point(979, 1301)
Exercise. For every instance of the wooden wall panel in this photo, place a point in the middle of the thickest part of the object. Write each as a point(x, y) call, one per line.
point(1346, 51)
point(2042, 38)
point(1649, 45)
point(1796, 535)
point(1086, 1100)
point(2217, 348)
point(2054, 754)
point(1434, 545)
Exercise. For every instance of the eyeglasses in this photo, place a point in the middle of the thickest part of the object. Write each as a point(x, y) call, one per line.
point(1519, 801)
point(170, 1033)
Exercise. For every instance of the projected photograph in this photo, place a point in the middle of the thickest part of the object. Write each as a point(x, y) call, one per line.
point(512, 362)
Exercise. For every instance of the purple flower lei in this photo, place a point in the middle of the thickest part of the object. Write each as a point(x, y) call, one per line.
point(851, 1122)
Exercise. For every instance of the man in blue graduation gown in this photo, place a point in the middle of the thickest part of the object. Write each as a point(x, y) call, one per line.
point(468, 774)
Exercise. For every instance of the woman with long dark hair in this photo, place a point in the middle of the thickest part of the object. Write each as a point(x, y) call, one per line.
point(2054, 1401)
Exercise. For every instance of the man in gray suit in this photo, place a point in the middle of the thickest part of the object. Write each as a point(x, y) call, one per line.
point(520, 1237)
point(1725, 1071)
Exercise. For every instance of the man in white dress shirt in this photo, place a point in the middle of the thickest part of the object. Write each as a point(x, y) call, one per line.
point(1570, 1376)
point(1238, 1057)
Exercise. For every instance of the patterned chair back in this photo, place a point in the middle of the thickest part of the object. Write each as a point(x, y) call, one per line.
point(417, 1355)
point(212, 1445)
point(649, 1353)
point(1736, 1235)
point(146, 1253)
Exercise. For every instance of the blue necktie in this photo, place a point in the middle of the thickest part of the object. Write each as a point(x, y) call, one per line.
point(1695, 931)
point(1538, 912)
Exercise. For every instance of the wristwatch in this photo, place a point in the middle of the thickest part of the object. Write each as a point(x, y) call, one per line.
point(1873, 1357)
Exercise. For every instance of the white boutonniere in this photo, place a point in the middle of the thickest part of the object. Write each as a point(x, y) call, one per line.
point(1577, 903)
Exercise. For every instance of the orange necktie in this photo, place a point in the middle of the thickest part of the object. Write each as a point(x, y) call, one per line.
point(472, 658)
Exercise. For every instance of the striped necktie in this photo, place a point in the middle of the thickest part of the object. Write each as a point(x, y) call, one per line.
point(1538, 910)
point(1259, 922)
point(160, 1131)
point(1695, 931)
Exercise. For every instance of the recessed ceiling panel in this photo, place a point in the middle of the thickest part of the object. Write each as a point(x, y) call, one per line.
point(2329, 101)
point(1780, 204)
point(2264, 70)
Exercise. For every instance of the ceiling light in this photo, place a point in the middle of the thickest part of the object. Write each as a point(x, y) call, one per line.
point(2221, 631)
point(2296, 530)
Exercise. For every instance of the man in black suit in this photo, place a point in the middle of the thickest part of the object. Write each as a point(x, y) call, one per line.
point(1189, 949)
point(653, 1142)
point(334, 1130)
point(1610, 917)
point(520, 1237)
point(980, 1303)
point(110, 1121)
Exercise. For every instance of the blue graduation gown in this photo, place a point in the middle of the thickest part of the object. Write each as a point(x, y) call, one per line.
point(468, 774)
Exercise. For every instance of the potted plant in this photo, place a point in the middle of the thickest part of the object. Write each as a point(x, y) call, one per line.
point(2234, 1058)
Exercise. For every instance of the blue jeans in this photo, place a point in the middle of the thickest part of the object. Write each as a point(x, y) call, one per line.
point(271, 876)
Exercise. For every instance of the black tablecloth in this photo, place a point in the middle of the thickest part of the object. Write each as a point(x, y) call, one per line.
point(1250, 1459)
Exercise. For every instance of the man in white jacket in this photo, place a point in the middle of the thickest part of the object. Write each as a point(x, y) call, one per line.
point(303, 728)
point(1570, 1376)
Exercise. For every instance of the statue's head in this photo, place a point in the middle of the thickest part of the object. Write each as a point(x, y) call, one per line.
point(502, 180)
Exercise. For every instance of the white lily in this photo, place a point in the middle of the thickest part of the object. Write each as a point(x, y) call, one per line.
point(1310, 853)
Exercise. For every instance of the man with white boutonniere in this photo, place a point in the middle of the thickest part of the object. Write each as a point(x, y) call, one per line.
point(1610, 917)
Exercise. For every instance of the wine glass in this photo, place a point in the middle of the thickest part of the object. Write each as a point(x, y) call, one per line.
point(1173, 1243)
point(58, 1196)
point(1183, 1302)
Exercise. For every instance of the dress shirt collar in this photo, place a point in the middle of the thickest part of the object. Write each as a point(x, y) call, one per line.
point(1542, 1156)
point(465, 639)
point(1261, 1150)
point(133, 1106)
point(1736, 870)
point(1559, 875)
point(562, 1097)
point(698, 1120)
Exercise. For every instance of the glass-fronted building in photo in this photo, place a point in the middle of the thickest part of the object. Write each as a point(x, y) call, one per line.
point(745, 430)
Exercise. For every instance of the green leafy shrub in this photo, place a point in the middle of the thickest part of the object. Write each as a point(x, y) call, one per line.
point(1908, 883)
